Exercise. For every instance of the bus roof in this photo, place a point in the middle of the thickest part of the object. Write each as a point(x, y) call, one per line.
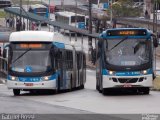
point(37, 6)
point(43, 36)
point(68, 14)
point(31, 36)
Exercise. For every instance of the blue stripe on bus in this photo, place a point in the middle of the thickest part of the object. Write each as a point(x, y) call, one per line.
point(125, 73)
point(81, 25)
point(34, 79)
point(59, 45)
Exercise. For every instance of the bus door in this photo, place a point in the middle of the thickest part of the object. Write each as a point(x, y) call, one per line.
point(79, 70)
point(84, 68)
point(68, 69)
point(61, 68)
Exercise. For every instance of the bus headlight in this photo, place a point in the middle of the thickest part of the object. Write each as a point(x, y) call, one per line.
point(111, 72)
point(13, 78)
point(144, 71)
point(46, 78)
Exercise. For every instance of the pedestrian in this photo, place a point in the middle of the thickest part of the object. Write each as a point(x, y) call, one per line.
point(94, 56)
point(33, 25)
point(0, 52)
point(7, 22)
point(13, 22)
point(10, 22)
point(18, 25)
point(24, 26)
point(146, 14)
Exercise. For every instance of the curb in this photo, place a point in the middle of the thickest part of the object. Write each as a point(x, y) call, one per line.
point(154, 89)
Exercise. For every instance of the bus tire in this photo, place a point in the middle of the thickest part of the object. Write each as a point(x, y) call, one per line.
point(97, 86)
point(154, 76)
point(82, 86)
point(71, 86)
point(58, 84)
point(16, 92)
point(146, 91)
point(104, 91)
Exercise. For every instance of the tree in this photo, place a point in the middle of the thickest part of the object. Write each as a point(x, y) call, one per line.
point(124, 8)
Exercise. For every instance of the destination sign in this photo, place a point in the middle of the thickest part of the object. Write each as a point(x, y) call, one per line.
point(135, 32)
point(30, 46)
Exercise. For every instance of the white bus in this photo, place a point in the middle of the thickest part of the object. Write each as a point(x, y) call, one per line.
point(42, 60)
point(70, 18)
point(39, 10)
point(125, 60)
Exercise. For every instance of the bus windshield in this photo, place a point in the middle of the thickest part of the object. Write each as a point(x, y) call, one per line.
point(33, 61)
point(78, 19)
point(127, 52)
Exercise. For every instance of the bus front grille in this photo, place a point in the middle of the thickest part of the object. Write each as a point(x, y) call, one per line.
point(127, 80)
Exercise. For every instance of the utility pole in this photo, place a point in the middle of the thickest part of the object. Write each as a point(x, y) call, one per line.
point(62, 4)
point(154, 16)
point(111, 13)
point(49, 12)
point(20, 15)
point(76, 13)
point(90, 30)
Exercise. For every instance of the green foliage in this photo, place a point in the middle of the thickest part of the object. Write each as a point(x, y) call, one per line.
point(26, 2)
point(2, 14)
point(123, 8)
point(158, 1)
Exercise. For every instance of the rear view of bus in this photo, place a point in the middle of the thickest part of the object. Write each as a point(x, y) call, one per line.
point(70, 18)
point(126, 60)
point(39, 9)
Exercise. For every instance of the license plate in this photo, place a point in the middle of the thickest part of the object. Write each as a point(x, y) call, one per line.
point(28, 84)
point(127, 85)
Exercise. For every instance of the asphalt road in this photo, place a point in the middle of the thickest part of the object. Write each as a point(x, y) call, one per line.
point(86, 101)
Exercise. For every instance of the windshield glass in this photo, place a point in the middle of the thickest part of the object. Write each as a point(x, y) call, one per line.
point(32, 61)
point(127, 52)
point(30, 57)
point(77, 18)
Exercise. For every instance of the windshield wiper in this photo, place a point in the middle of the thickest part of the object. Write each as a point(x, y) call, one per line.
point(21, 55)
point(119, 43)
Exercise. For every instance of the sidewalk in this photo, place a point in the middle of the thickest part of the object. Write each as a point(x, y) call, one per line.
point(2, 22)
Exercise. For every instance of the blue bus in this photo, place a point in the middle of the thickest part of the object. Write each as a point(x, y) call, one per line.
point(39, 9)
point(71, 18)
point(125, 60)
point(40, 60)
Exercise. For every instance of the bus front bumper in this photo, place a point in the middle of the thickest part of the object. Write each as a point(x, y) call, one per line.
point(31, 85)
point(133, 81)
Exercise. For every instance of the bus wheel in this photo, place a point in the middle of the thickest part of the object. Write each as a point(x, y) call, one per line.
point(107, 91)
point(97, 86)
point(71, 86)
point(82, 86)
point(103, 91)
point(146, 91)
point(16, 92)
point(58, 84)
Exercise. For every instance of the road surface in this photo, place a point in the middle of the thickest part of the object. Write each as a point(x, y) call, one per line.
point(86, 101)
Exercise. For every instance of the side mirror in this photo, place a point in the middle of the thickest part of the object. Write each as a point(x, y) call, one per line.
point(155, 42)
